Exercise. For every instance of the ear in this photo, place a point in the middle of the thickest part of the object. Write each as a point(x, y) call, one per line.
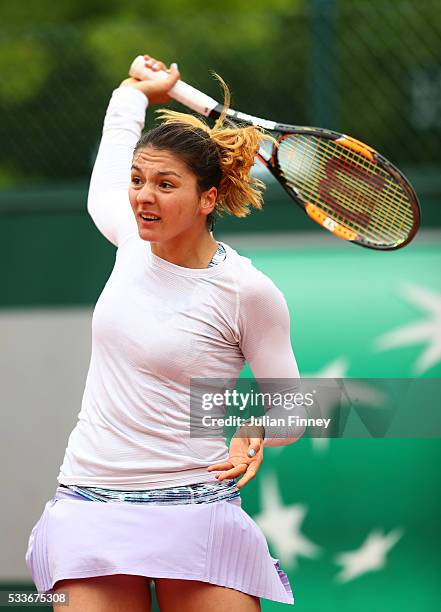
point(207, 201)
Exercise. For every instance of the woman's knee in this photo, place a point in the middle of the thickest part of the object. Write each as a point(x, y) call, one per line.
point(115, 593)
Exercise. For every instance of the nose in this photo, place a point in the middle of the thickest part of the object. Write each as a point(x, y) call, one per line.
point(146, 194)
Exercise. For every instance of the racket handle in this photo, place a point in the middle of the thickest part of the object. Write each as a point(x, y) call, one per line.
point(182, 92)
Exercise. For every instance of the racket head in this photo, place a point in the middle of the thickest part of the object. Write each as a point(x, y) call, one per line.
point(346, 186)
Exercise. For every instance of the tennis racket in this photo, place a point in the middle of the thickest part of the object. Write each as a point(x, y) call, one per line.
point(341, 183)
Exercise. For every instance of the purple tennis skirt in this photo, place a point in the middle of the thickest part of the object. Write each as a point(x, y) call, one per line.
point(215, 542)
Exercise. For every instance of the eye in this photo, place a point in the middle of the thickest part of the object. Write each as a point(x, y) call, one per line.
point(135, 179)
point(166, 185)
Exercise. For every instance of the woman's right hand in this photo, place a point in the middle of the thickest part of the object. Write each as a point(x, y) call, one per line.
point(155, 90)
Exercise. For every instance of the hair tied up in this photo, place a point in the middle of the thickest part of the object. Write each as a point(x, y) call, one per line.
point(221, 156)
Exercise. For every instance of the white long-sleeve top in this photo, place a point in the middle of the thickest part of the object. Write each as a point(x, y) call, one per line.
point(156, 326)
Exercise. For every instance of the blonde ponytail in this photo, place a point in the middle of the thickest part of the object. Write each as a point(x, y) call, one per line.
point(236, 148)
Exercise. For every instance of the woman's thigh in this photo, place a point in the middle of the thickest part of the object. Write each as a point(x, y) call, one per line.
point(193, 595)
point(116, 593)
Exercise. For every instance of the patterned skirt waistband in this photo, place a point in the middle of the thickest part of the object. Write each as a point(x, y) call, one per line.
point(200, 493)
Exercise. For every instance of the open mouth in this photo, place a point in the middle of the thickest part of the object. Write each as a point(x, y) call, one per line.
point(147, 218)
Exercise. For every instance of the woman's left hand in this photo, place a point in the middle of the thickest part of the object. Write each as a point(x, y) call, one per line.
point(240, 461)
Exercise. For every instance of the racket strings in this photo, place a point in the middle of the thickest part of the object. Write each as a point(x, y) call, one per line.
point(347, 186)
point(368, 199)
point(394, 192)
point(358, 198)
point(355, 201)
point(297, 161)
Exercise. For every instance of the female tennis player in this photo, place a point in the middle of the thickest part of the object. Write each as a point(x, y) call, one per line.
point(138, 498)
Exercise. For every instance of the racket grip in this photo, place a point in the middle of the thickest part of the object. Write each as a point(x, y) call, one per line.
point(182, 92)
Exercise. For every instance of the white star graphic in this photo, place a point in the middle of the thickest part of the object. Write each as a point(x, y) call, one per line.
point(427, 330)
point(353, 393)
point(369, 557)
point(335, 369)
point(281, 524)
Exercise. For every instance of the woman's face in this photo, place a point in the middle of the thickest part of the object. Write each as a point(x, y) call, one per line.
point(164, 196)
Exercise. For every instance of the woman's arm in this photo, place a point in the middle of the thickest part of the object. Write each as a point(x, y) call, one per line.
point(108, 201)
point(264, 324)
